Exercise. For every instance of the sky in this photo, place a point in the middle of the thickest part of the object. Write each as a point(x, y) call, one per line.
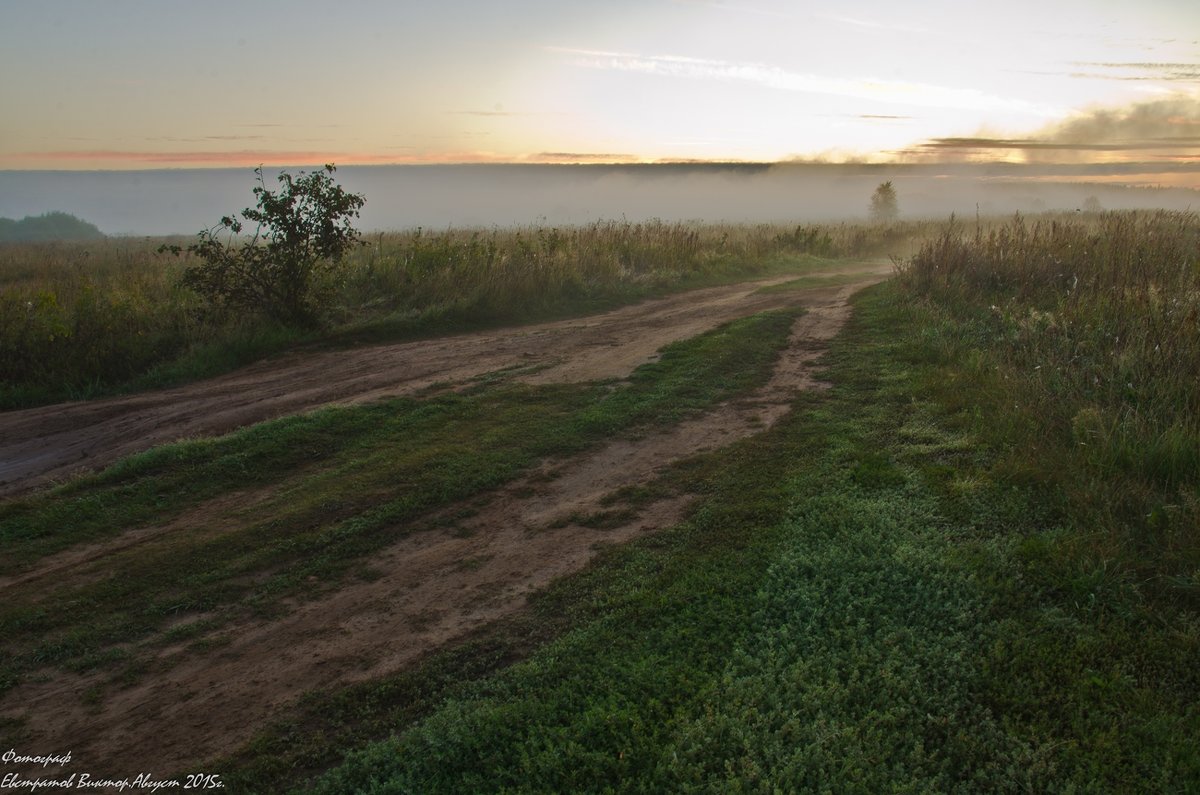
point(136, 84)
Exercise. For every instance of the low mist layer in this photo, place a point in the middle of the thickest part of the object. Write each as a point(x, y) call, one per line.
point(434, 197)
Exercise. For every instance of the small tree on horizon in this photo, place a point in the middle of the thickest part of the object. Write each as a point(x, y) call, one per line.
point(883, 203)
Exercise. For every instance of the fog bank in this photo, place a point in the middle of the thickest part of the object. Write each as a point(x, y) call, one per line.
point(405, 197)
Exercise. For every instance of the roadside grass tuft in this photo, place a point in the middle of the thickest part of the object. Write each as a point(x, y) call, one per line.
point(969, 565)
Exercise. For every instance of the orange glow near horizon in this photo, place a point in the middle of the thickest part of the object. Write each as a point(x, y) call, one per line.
point(135, 160)
point(120, 159)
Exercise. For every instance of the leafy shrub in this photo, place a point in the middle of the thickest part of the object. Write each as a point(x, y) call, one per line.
point(303, 231)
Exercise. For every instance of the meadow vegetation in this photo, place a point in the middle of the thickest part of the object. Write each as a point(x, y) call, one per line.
point(972, 564)
point(883, 592)
point(1081, 349)
point(80, 320)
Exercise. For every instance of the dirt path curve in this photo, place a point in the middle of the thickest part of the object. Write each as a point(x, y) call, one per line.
point(435, 585)
point(42, 445)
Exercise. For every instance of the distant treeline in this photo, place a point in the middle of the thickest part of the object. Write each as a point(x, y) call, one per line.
point(50, 226)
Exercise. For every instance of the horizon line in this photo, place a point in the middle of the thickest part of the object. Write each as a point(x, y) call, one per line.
point(1177, 166)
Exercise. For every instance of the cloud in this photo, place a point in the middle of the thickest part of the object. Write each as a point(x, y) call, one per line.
point(1159, 72)
point(201, 138)
point(891, 91)
point(1033, 144)
point(1160, 129)
point(582, 157)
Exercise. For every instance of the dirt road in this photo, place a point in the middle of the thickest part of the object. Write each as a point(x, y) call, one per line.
point(42, 445)
point(194, 707)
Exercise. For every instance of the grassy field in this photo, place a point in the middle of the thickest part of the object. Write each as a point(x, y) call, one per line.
point(883, 593)
point(79, 320)
point(973, 564)
point(1081, 345)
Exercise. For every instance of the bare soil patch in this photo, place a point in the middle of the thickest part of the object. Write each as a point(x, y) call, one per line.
point(430, 587)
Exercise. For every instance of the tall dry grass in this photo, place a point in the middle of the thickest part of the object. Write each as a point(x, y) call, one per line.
point(502, 273)
point(82, 319)
point(74, 315)
point(1086, 334)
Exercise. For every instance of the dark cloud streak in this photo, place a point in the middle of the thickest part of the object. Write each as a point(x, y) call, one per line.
point(1035, 144)
point(1168, 127)
point(1152, 71)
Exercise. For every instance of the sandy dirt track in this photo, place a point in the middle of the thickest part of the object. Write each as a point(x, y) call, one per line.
point(436, 585)
point(41, 445)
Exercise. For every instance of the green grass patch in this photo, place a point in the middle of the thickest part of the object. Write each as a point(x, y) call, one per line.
point(811, 282)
